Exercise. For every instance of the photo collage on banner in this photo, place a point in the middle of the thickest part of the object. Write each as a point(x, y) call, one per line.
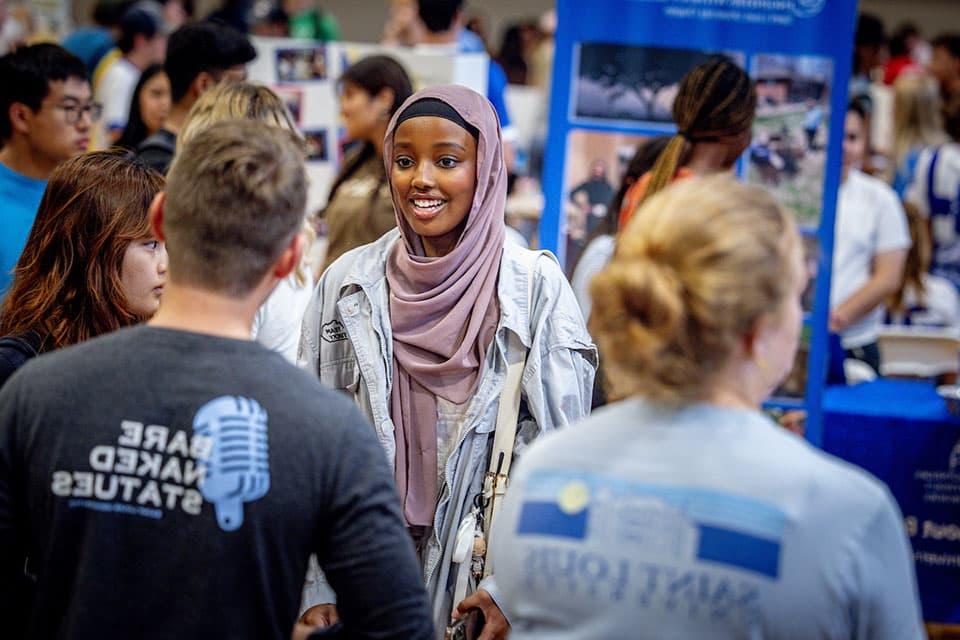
point(617, 71)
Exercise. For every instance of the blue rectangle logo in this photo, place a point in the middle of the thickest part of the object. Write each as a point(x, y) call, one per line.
point(740, 550)
point(548, 519)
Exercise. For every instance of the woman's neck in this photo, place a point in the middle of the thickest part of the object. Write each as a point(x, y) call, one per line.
point(707, 158)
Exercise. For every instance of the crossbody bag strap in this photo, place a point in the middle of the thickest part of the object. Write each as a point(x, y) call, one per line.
point(505, 435)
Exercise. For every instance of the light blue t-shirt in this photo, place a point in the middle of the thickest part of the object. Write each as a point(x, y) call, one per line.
point(19, 200)
point(647, 523)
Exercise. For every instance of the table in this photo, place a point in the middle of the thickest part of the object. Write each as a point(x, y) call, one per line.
point(901, 432)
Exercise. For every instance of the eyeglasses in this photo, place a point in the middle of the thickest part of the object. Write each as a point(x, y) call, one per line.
point(74, 112)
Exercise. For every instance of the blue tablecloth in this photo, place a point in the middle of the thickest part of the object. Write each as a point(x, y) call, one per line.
point(901, 432)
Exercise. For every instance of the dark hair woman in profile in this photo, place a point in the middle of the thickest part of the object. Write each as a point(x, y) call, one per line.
point(149, 107)
point(359, 209)
point(713, 111)
point(91, 264)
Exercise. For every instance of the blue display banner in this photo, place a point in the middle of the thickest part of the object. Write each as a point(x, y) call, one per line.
point(616, 70)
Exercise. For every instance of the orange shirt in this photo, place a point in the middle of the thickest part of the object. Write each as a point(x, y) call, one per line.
point(633, 196)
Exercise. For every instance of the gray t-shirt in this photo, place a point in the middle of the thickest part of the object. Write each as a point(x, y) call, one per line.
point(166, 484)
point(642, 522)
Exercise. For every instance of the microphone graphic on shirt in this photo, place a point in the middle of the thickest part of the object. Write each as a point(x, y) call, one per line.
point(237, 465)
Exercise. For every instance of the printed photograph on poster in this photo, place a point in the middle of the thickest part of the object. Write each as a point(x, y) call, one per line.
point(788, 154)
point(301, 65)
point(626, 84)
point(596, 163)
point(316, 144)
point(293, 99)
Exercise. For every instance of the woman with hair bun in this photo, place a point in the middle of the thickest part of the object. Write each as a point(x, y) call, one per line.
point(713, 111)
point(682, 511)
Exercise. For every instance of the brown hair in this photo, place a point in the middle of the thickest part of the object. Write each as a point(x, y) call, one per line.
point(694, 270)
point(918, 260)
point(716, 101)
point(246, 101)
point(236, 195)
point(66, 285)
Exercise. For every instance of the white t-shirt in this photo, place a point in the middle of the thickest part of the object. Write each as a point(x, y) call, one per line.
point(702, 523)
point(940, 306)
point(277, 323)
point(946, 186)
point(115, 92)
point(870, 220)
point(595, 257)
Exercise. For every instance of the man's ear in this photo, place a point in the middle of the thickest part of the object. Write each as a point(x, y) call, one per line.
point(20, 118)
point(202, 83)
point(155, 215)
point(290, 257)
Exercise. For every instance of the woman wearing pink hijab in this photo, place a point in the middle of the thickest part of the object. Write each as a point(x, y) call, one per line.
point(422, 325)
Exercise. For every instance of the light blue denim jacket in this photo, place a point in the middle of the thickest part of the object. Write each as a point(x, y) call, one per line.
point(347, 341)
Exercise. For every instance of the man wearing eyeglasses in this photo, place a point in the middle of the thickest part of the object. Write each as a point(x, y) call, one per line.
point(46, 115)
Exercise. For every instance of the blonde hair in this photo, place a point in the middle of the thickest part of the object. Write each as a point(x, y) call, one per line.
point(694, 270)
point(916, 114)
point(246, 101)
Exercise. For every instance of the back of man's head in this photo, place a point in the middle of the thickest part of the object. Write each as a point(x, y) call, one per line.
point(438, 15)
point(26, 74)
point(203, 47)
point(236, 196)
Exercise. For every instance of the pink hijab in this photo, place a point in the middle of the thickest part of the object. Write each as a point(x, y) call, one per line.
point(443, 311)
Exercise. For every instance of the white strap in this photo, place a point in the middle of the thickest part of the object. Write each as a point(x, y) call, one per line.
point(505, 435)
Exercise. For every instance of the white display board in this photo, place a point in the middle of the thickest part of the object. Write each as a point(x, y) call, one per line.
point(304, 73)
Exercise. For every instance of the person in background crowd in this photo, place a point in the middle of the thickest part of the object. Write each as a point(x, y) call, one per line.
point(143, 42)
point(403, 26)
point(359, 209)
point(45, 118)
point(456, 303)
point(198, 57)
point(870, 246)
point(91, 264)
point(918, 124)
point(904, 52)
point(177, 13)
point(276, 324)
point(309, 21)
point(945, 64)
point(231, 532)
point(923, 299)
point(275, 24)
point(13, 30)
point(727, 526)
point(869, 54)
point(149, 107)
point(513, 54)
point(713, 111)
point(91, 43)
point(235, 14)
point(443, 23)
point(935, 191)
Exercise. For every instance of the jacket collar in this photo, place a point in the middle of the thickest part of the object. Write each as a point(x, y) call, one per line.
point(368, 271)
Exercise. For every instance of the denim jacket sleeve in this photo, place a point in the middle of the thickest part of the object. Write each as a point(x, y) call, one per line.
point(562, 360)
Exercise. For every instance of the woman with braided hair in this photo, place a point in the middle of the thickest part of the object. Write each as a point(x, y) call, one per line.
point(713, 111)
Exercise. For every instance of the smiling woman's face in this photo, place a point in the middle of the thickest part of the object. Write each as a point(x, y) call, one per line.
point(434, 176)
